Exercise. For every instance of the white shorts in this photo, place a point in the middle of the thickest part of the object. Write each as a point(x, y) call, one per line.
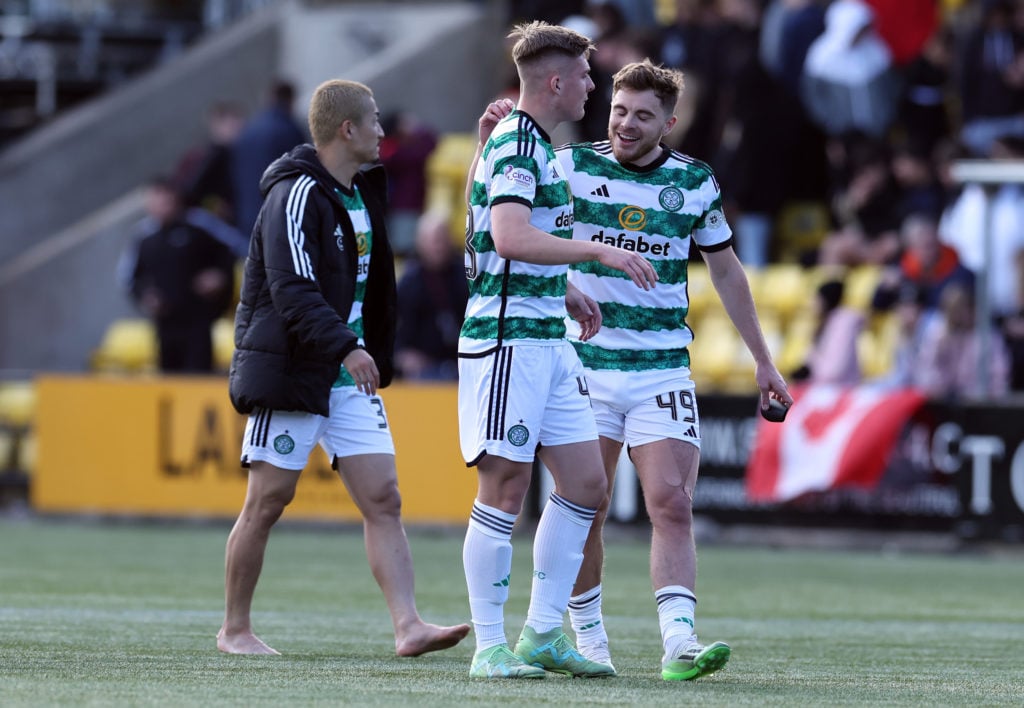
point(644, 407)
point(357, 425)
point(522, 396)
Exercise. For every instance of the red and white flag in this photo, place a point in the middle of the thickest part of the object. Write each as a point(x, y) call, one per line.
point(833, 437)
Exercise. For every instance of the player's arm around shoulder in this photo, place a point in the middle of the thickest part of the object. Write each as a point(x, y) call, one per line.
point(515, 238)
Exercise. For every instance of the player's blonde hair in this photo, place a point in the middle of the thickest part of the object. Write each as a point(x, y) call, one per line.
point(644, 75)
point(334, 102)
point(537, 40)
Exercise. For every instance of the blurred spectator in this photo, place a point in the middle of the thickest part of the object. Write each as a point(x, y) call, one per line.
point(432, 295)
point(849, 84)
point(963, 226)
point(180, 276)
point(204, 172)
point(788, 29)
point(927, 265)
point(833, 357)
point(992, 79)
point(406, 147)
point(865, 205)
point(923, 112)
point(911, 324)
point(917, 185)
point(693, 44)
point(761, 136)
point(550, 11)
point(951, 364)
point(904, 25)
point(605, 25)
point(1013, 331)
point(267, 135)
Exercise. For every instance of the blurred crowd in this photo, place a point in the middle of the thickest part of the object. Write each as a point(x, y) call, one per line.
point(832, 126)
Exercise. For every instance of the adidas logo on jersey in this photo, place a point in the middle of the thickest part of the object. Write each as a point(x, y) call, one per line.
point(601, 191)
point(691, 432)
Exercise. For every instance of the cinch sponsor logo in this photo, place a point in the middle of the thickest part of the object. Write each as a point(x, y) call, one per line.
point(637, 244)
point(565, 220)
point(520, 177)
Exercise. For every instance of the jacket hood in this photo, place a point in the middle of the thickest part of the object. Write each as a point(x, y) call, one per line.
point(299, 160)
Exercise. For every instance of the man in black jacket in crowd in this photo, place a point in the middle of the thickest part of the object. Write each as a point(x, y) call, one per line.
point(314, 340)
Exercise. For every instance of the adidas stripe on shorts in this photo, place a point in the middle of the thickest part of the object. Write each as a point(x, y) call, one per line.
point(520, 396)
point(357, 425)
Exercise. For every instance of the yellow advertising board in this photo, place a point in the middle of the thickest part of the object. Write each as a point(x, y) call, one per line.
point(169, 446)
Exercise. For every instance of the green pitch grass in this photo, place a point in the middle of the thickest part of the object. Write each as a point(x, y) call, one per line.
point(94, 614)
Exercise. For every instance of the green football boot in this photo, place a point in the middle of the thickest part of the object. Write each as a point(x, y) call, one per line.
point(553, 651)
point(695, 660)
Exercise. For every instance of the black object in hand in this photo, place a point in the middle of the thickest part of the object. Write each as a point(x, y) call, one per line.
point(775, 412)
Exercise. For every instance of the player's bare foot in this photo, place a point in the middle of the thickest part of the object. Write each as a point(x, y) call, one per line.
point(425, 638)
point(242, 643)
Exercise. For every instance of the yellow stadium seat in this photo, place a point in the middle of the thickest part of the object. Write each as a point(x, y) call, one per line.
point(800, 229)
point(7, 449)
point(223, 333)
point(713, 352)
point(861, 283)
point(877, 350)
point(27, 453)
point(447, 171)
point(17, 403)
point(784, 288)
point(796, 342)
point(700, 292)
point(129, 345)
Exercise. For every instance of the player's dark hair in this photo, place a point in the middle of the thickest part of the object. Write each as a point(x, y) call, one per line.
point(644, 75)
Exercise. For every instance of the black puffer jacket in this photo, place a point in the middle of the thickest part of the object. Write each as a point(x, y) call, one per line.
point(300, 276)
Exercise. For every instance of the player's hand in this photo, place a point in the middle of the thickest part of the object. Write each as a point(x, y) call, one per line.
point(495, 111)
point(363, 370)
point(772, 386)
point(638, 268)
point(585, 310)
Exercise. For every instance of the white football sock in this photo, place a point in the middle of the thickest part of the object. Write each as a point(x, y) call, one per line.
point(487, 559)
point(557, 557)
point(676, 606)
point(586, 619)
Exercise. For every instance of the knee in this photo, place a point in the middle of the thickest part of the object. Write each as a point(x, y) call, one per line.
point(673, 510)
point(266, 508)
point(384, 503)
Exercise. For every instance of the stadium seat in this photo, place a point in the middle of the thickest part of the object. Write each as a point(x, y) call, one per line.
point(7, 449)
point(27, 453)
point(713, 352)
point(797, 340)
point(699, 290)
point(17, 404)
point(129, 345)
point(877, 345)
point(223, 332)
point(800, 229)
point(861, 283)
point(784, 288)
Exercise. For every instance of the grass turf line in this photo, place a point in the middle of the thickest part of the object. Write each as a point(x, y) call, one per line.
point(94, 614)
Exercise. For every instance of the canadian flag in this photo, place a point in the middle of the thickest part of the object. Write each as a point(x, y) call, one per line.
point(833, 437)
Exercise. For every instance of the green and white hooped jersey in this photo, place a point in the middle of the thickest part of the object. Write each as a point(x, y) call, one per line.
point(653, 210)
point(356, 209)
point(512, 301)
